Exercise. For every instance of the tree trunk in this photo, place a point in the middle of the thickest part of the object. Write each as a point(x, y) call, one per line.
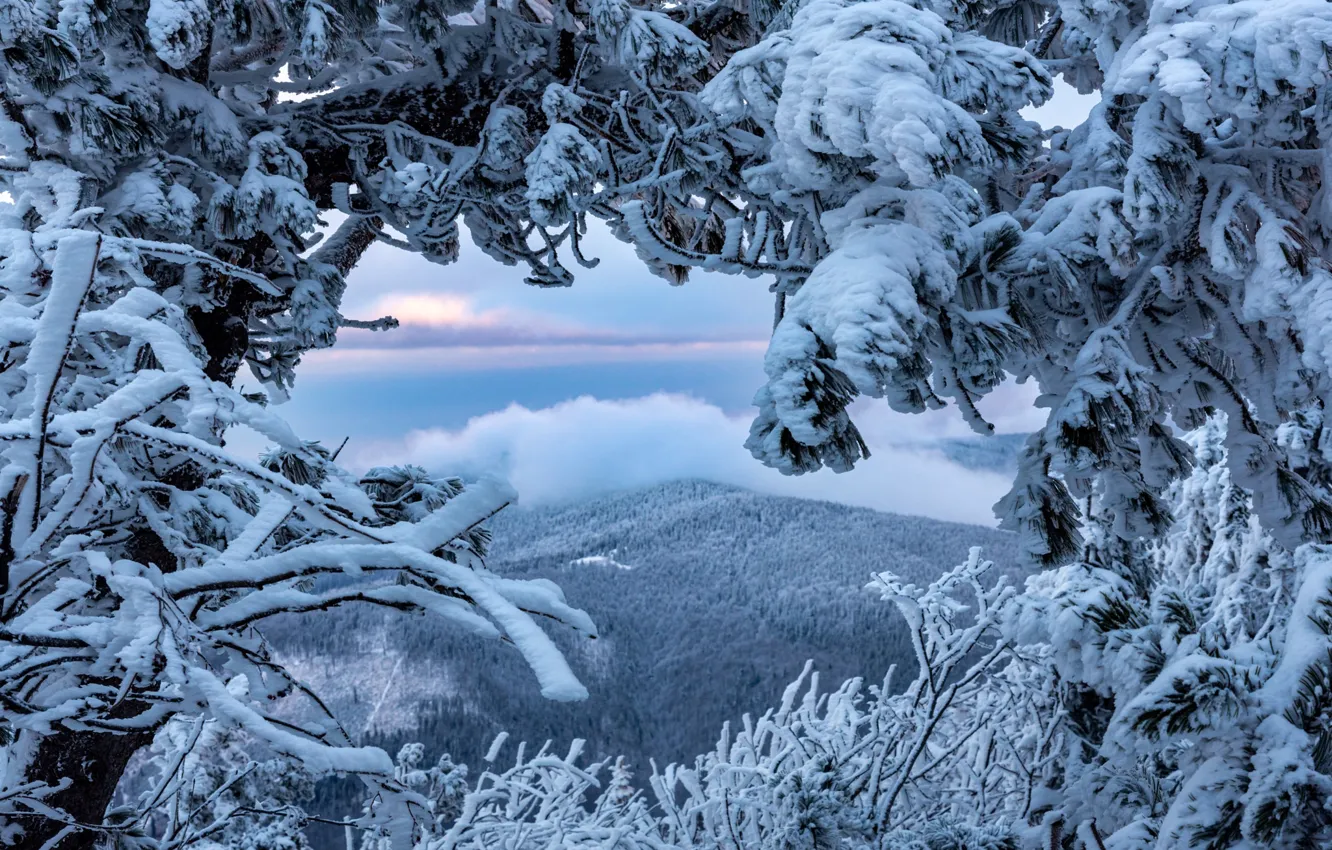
point(94, 763)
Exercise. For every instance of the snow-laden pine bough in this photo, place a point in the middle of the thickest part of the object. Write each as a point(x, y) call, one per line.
point(163, 168)
point(138, 556)
point(1165, 258)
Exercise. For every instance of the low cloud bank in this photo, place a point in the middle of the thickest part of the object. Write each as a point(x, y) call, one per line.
point(589, 447)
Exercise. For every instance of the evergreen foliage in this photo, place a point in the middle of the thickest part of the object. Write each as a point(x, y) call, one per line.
point(202, 786)
point(165, 164)
point(1199, 664)
point(860, 766)
point(1164, 259)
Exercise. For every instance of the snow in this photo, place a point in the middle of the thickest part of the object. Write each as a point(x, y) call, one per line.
point(599, 561)
point(177, 29)
point(561, 172)
point(480, 501)
point(316, 757)
point(71, 277)
point(1306, 643)
point(1160, 262)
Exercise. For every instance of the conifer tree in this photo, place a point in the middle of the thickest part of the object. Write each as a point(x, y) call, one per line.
point(1169, 695)
point(206, 785)
point(620, 789)
point(956, 760)
point(1163, 262)
point(165, 165)
point(1164, 259)
point(1199, 692)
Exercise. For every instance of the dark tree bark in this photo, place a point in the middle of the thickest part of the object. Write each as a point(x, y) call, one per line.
point(94, 763)
point(225, 332)
point(455, 113)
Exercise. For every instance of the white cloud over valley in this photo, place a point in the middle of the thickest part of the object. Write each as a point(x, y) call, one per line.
point(588, 447)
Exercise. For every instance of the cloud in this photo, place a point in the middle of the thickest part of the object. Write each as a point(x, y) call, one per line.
point(589, 447)
point(476, 313)
point(438, 330)
point(447, 320)
point(471, 359)
point(438, 309)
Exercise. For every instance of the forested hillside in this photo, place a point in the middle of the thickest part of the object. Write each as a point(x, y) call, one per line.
point(709, 600)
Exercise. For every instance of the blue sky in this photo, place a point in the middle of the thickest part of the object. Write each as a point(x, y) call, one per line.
point(621, 380)
point(474, 337)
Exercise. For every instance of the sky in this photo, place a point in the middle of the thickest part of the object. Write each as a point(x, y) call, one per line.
point(619, 381)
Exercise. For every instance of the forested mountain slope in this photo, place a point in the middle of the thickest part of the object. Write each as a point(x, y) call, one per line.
point(709, 599)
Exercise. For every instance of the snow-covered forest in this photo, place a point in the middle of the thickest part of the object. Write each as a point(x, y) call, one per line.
point(708, 602)
point(186, 185)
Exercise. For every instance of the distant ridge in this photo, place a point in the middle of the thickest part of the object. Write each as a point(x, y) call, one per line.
point(996, 453)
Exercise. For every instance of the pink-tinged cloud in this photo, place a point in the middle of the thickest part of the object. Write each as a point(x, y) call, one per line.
point(450, 321)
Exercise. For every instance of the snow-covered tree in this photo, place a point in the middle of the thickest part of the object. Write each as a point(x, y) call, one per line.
point(544, 799)
point(166, 162)
point(141, 556)
point(960, 758)
point(1163, 261)
point(1196, 680)
point(621, 786)
point(877, 138)
point(443, 786)
point(1170, 695)
point(1165, 258)
point(203, 785)
point(164, 165)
